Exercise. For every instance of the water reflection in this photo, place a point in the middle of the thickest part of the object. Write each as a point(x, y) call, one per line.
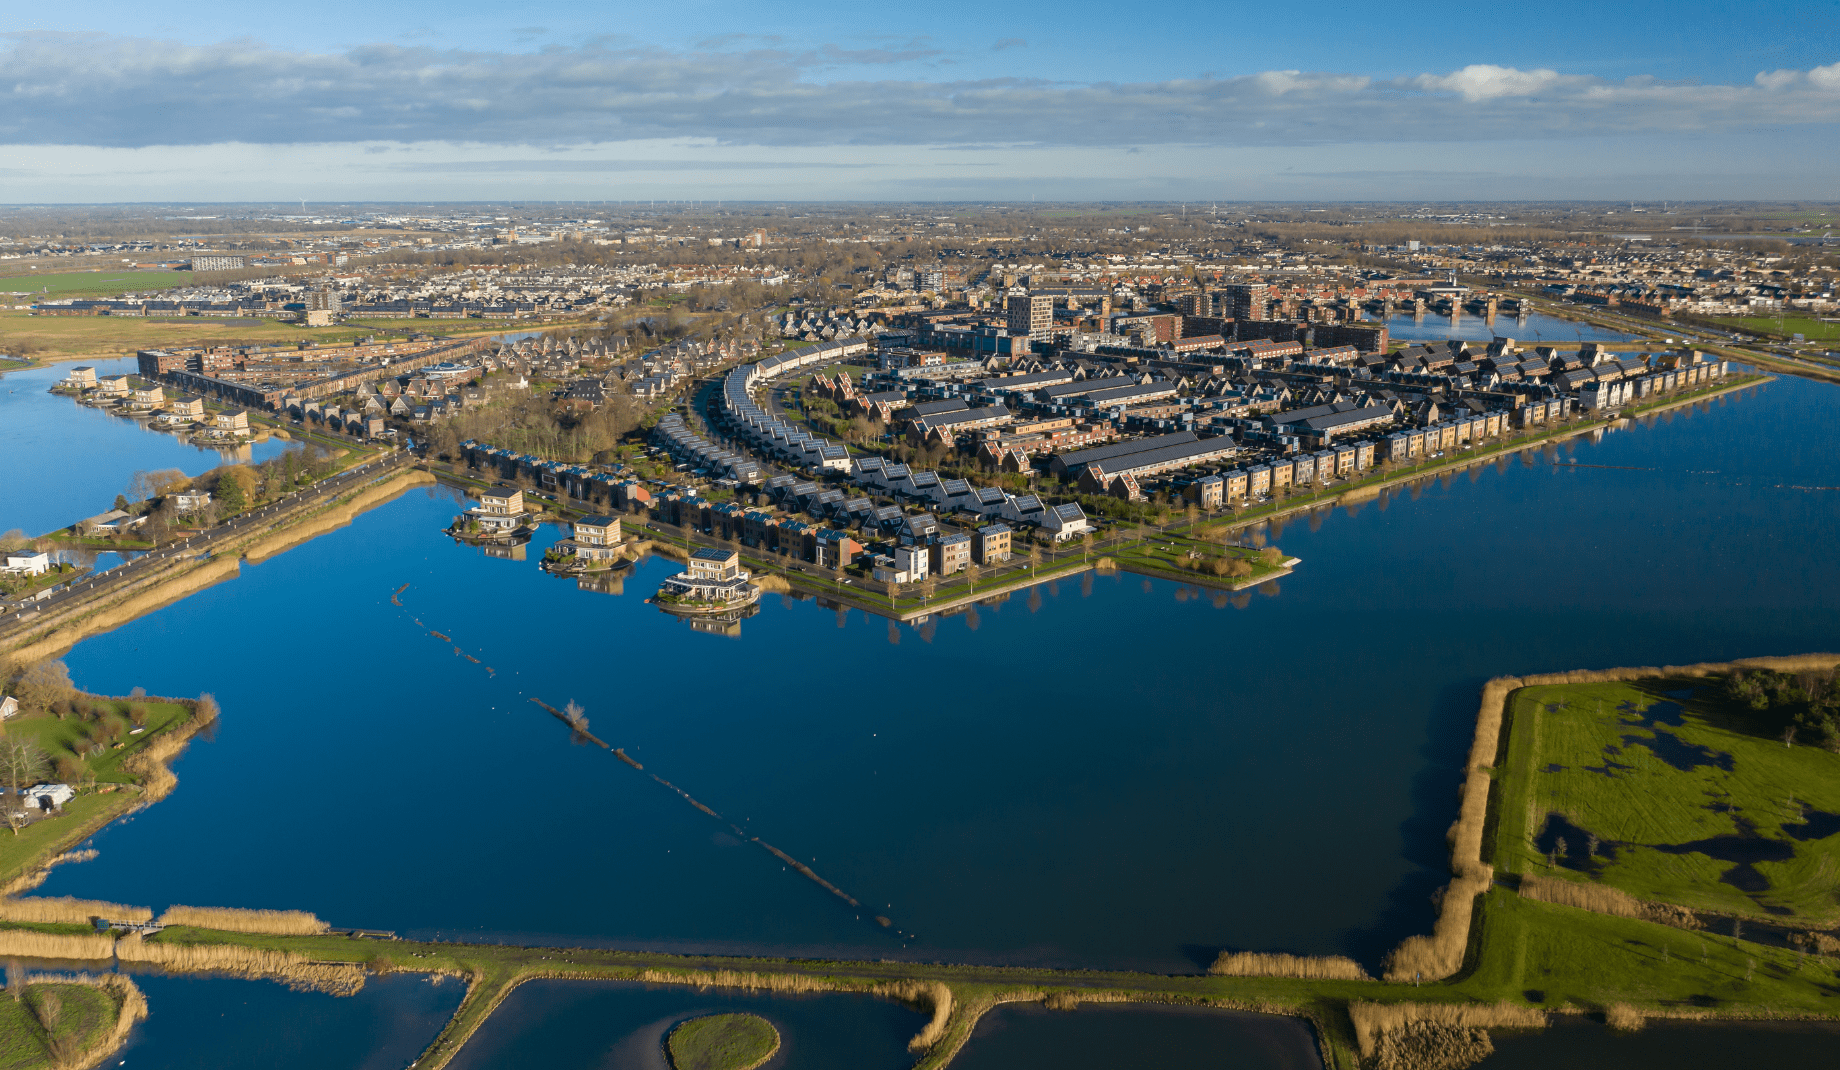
point(206, 1023)
point(1099, 1036)
point(612, 1025)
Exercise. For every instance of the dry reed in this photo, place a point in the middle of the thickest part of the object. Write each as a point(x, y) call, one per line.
point(1593, 897)
point(1313, 968)
point(1623, 1018)
point(932, 994)
point(772, 583)
point(28, 944)
point(770, 982)
point(232, 919)
point(65, 910)
point(1372, 1020)
point(296, 971)
point(1105, 564)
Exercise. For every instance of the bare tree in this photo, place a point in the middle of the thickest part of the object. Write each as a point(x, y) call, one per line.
point(21, 761)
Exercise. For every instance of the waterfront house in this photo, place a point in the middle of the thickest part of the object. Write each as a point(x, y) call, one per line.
point(501, 500)
point(110, 523)
point(147, 398)
point(48, 796)
point(835, 549)
point(597, 538)
point(232, 422)
point(991, 545)
point(115, 386)
point(9, 706)
point(185, 410)
point(190, 501)
point(81, 378)
point(28, 563)
point(713, 574)
point(949, 554)
point(1065, 521)
point(908, 564)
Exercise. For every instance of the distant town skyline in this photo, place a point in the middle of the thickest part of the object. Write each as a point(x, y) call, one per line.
point(118, 102)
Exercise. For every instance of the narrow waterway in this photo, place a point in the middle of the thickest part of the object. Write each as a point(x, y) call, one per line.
point(1100, 1036)
point(1536, 329)
point(66, 461)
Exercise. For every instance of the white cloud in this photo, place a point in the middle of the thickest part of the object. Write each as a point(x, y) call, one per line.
point(103, 90)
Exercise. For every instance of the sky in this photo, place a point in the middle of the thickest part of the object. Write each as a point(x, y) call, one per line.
point(996, 100)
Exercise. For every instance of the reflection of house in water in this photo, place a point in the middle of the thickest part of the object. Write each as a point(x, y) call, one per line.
point(512, 552)
point(602, 582)
point(723, 624)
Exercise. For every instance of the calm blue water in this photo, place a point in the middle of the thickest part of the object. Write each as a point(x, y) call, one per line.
point(1536, 330)
point(1099, 1036)
point(65, 461)
point(1105, 772)
point(208, 1023)
point(610, 1025)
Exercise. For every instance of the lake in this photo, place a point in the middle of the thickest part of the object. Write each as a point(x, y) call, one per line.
point(1102, 1036)
point(1107, 771)
point(66, 461)
point(1535, 330)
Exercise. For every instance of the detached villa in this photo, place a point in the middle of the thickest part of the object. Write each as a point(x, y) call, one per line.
point(500, 512)
point(714, 580)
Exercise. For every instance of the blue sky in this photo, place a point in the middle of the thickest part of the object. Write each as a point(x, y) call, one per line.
point(945, 100)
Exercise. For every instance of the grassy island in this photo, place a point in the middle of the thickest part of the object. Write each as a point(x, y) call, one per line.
point(722, 1042)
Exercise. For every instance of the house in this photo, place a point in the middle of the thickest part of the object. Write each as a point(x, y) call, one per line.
point(233, 421)
point(1065, 521)
point(109, 523)
point(83, 378)
point(918, 530)
point(712, 575)
point(9, 706)
point(190, 501)
point(115, 386)
point(48, 796)
point(147, 397)
point(908, 564)
point(949, 554)
point(182, 409)
point(28, 563)
point(836, 549)
point(597, 538)
point(1209, 492)
point(501, 500)
point(991, 545)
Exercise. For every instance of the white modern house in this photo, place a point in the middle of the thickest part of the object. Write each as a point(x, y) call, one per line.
point(28, 563)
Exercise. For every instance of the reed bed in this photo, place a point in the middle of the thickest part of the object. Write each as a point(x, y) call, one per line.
point(65, 910)
point(296, 971)
point(1437, 956)
point(131, 1007)
point(1374, 1020)
point(1593, 897)
point(931, 994)
point(751, 981)
point(27, 944)
point(772, 583)
point(232, 919)
point(1624, 1018)
point(1307, 967)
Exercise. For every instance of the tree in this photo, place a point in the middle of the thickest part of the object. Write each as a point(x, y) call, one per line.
point(21, 761)
point(43, 684)
point(1034, 559)
point(229, 493)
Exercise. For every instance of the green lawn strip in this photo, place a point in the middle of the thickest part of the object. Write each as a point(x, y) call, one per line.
point(1815, 330)
point(1641, 803)
point(1571, 958)
point(94, 283)
point(43, 840)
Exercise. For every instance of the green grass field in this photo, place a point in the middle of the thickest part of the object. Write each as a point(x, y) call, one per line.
point(93, 283)
point(722, 1042)
point(1808, 327)
point(104, 337)
point(1688, 804)
point(58, 737)
point(82, 1014)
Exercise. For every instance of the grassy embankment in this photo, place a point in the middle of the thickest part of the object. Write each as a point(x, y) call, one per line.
point(1814, 330)
point(105, 283)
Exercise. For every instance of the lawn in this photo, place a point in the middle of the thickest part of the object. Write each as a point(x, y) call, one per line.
point(105, 337)
point(1808, 327)
point(93, 283)
point(1557, 956)
point(82, 1012)
point(1664, 789)
point(722, 1042)
point(57, 737)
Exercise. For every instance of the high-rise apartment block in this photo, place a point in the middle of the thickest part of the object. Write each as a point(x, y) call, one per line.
point(1243, 301)
point(1032, 315)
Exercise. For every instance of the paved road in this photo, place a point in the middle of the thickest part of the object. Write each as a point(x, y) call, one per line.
point(202, 544)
